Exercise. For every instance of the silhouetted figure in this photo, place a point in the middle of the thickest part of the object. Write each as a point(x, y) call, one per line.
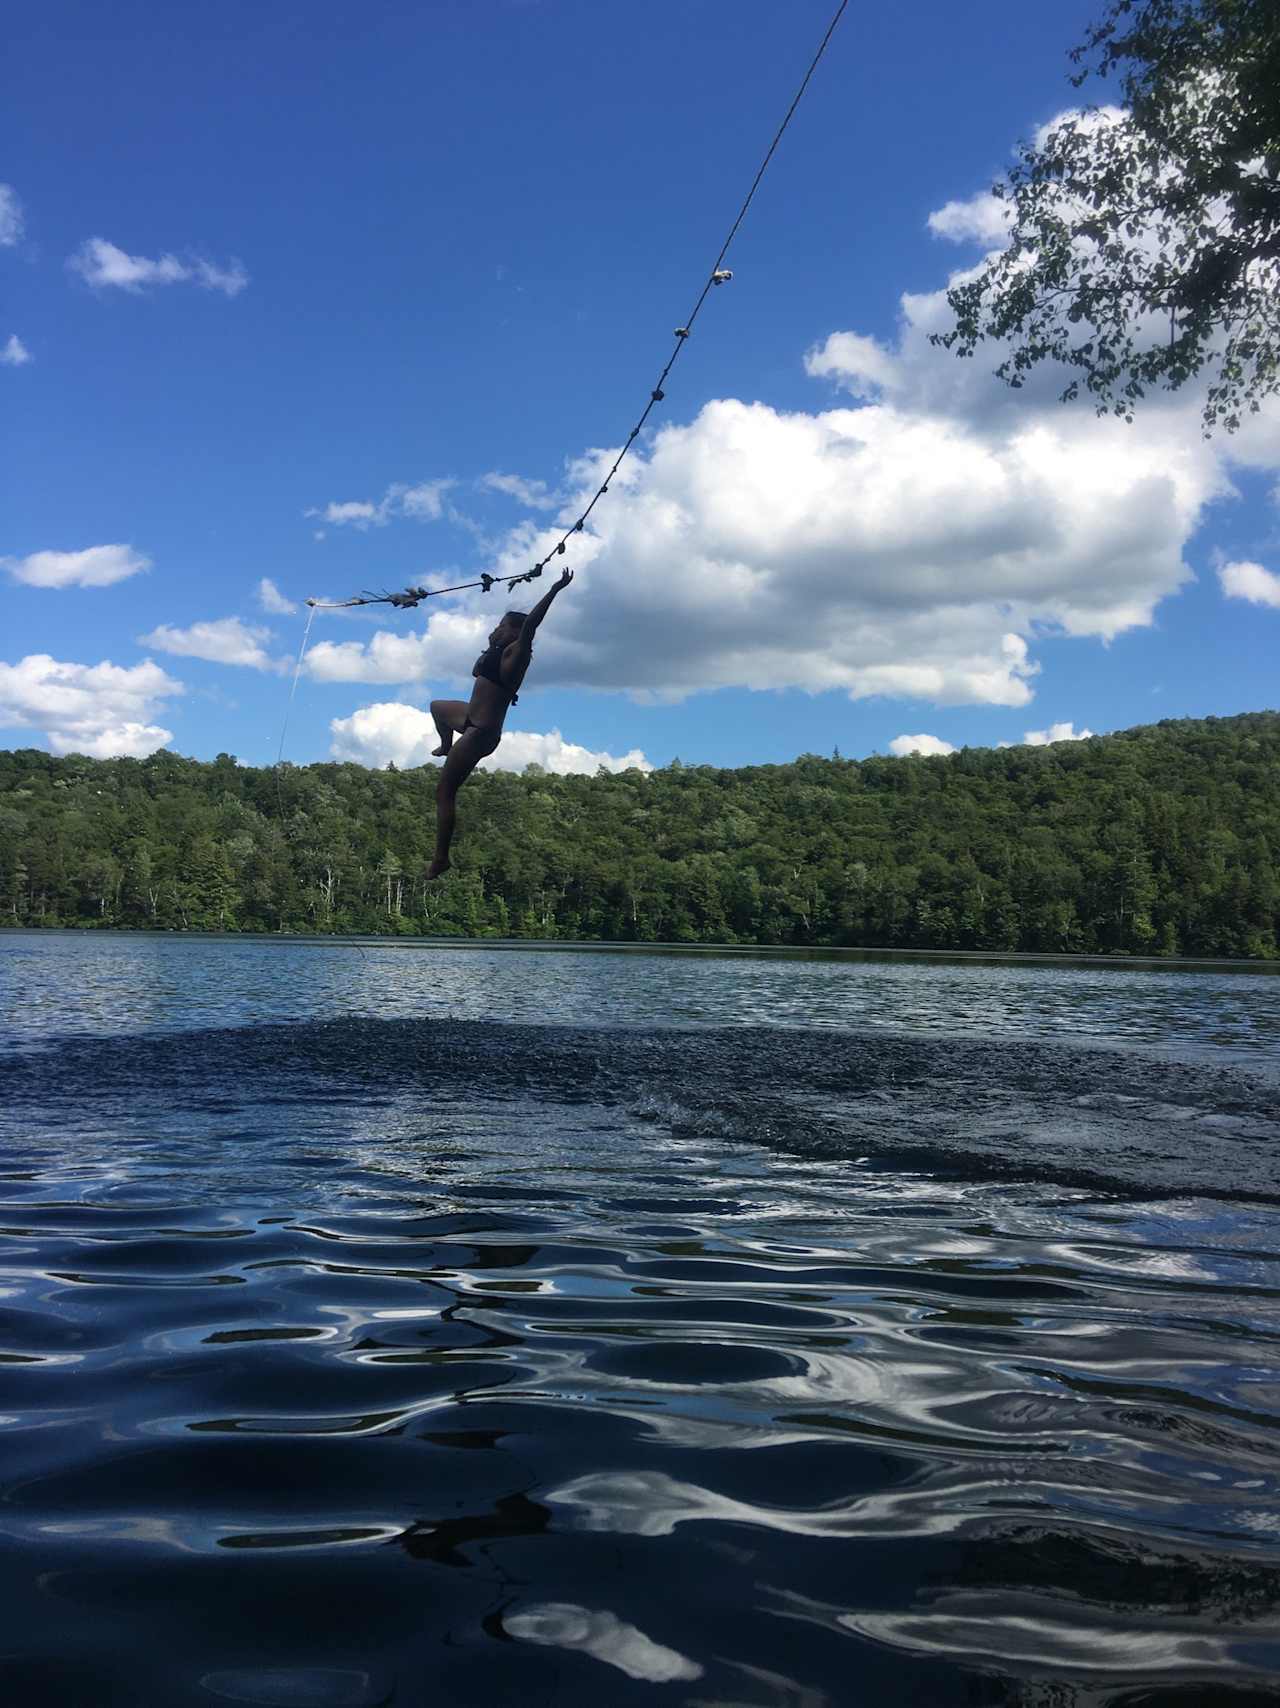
point(469, 732)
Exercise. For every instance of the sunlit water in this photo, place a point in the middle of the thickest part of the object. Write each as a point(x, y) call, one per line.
point(57, 983)
point(435, 1327)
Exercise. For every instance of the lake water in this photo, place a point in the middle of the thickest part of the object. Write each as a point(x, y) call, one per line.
point(416, 1325)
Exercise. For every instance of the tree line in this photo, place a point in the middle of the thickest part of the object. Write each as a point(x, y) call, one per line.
point(1163, 840)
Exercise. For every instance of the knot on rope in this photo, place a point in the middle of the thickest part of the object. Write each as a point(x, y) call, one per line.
point(721, 276)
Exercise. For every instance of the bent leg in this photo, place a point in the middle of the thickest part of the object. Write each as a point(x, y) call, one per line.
point(470, 749)
point(450, 717)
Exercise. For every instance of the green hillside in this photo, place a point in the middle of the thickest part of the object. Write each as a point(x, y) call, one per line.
point(1160, 840)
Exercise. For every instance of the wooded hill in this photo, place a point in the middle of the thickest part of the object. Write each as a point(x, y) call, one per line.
point(1161, 840)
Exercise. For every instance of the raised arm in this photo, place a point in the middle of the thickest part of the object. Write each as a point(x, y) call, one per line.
point(519, 651)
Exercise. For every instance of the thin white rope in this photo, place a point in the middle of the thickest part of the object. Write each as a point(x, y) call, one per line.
point(297, 671)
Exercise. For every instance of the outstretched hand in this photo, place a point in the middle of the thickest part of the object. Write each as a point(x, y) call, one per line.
point(566, 576)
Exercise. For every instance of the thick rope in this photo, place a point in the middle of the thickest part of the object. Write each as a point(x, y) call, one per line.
point(719, 275)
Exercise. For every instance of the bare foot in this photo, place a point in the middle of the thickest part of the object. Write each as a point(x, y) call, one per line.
point(441, 752)
point(437, 867)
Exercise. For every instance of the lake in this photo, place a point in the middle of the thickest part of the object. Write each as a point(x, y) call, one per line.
point(402, 1324)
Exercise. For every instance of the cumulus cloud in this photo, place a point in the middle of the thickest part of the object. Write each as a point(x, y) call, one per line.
point(927, 744)
point(532, 493)
point(901, 745)
point(446, 648)
point(12, 223)
point(103, 264)
point(394, 733)
point(1055, 732)
point(98, 709)
point(96, 566)
point(273, 600)
point(898, 548)
point(914, 538)
point(863, 366)
point(1244, 580)
point(389, 733)
point(422, 503)
point(522, 747)
point(224, 641)
point(982, 219)
point(15, 353)
point(986, 218)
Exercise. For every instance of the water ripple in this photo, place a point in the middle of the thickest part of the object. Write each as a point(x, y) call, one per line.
point(470, 1396)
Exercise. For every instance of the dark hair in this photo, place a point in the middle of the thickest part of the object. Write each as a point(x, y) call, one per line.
point(521, 617)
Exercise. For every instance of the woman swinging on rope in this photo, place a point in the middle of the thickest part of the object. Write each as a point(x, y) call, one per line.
point(471, 730)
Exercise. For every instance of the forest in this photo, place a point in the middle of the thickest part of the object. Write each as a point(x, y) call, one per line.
point(1162, 840)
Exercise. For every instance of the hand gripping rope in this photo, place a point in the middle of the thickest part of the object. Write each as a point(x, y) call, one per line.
point(719, 275)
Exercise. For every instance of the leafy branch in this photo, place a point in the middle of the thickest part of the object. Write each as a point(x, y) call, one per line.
point(1144, 239)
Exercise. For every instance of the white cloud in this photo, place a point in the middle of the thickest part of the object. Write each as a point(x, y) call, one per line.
point(230, 280)
point(532, 493)
point(926, 744)
point(98, 709)
point(422, 503)
point(11, 220)
point(1055, 732)
point(984, 219)
point(916, 539)
point(96, 566)
point(394, 733)
point(446, 648)
point(15, 352)
point(862, 366)
point(1250, 581)
point(102, 264)
point(389, 733)
point(273, 600)
point(908, 548)
point(551, 751)
point(357, 511)
point(224, 641)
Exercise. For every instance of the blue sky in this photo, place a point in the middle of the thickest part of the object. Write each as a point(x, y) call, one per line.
point(284, 289)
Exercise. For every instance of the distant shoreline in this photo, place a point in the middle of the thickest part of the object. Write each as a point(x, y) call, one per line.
point(597, 945)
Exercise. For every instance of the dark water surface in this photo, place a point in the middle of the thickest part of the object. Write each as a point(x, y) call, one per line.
point(733, 1332)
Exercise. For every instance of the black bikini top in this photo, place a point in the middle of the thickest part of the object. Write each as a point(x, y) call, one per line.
point(489, 667)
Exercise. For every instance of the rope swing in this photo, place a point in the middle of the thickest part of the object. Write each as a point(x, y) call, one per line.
point(719, 275)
